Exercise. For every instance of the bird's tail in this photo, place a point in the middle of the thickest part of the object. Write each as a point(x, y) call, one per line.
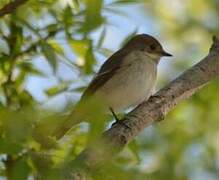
point(54, 126)
point(83, 111)
point(69, 121)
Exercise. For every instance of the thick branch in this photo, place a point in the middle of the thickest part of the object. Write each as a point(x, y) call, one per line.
point(152, 110)
point(11, 6)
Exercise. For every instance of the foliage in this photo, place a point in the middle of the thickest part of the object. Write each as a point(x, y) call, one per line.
point(184, 146)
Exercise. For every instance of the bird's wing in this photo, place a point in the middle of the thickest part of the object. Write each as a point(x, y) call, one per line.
point(106, 71)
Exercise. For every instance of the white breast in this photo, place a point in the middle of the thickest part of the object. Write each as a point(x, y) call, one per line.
point(132, 84)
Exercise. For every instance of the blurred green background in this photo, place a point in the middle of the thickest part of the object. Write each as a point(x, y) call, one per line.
point(49, 51)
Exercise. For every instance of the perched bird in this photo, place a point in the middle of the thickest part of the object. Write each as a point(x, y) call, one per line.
point(127, 78)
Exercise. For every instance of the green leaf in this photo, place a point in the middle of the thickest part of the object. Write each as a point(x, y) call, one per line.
point(78, 89)
point(17, 129)
point(20, 169)
point(93, 17)
point(120, 2)
point(84, 50)
point(105, 51)
point(52, 28)
point(80, 47)
point(26, 99)
point(133, 146)
point(50, 55)
point(129, 36)
point(67, 16)
point(55, 90)
point(16, 38)
point(56, 46)
point(8, 147)
point(28, 68)
point(89, 61)
point(76, 4)
point(102, 37)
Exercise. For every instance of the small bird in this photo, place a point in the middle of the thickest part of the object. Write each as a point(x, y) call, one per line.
point(127, 78)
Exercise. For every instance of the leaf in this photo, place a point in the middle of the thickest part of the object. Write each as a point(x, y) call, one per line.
point(20, 169)
point(84, 50)
point(76, 4)
point(25, 69)
point(50, 55)
point(121, 2)
point(17, 127)
point(102, 37)
point(133, 146)
point(52, 28)
point(80, 47)
point(129, 36)
point(93, 17)
point(8, 147)
point(29, 68)
point(26, 99)
point(58, 89)
point(68, 17)
point(105, 51)
point(78, 89)
point(16, 38)
point(89, 61)
point(56, 46)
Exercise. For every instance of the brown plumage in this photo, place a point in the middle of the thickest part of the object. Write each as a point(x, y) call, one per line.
point(125, 79)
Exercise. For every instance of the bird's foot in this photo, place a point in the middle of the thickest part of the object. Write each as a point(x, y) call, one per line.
point(114, 115)
point(121, 122)
point(118, 121)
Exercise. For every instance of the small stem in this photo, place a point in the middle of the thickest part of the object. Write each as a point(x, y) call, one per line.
point(11, 6)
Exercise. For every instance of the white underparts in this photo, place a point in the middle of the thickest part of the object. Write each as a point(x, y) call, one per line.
point(132, 83)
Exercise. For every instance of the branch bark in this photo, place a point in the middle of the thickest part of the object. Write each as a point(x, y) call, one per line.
point(145, 114)
point(11, 6)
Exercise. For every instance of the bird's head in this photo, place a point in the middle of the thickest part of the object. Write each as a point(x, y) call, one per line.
point(147, 45)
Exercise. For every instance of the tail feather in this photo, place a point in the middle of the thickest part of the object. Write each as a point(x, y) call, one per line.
point(68, 123)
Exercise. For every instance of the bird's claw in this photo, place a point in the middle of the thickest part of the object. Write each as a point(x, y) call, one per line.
point(114, 114)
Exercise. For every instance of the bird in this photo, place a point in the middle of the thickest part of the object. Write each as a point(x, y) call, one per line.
point(126, 78)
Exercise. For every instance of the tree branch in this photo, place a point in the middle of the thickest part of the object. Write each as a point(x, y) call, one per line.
point(145, 114)
point(11, 6)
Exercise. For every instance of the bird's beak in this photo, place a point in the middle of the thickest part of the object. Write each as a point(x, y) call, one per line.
point(164, 53)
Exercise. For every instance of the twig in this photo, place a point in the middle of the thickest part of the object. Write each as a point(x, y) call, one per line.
point(147, 113)
point(11, 6)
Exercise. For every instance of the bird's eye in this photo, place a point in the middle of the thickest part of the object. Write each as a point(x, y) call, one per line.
point(152, 47)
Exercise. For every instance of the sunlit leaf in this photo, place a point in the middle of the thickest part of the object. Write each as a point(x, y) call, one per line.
point(76, 4)
point(16, 38)
point(80, 47)
point(85, 54)
point(57, 89)
point(56, 46)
